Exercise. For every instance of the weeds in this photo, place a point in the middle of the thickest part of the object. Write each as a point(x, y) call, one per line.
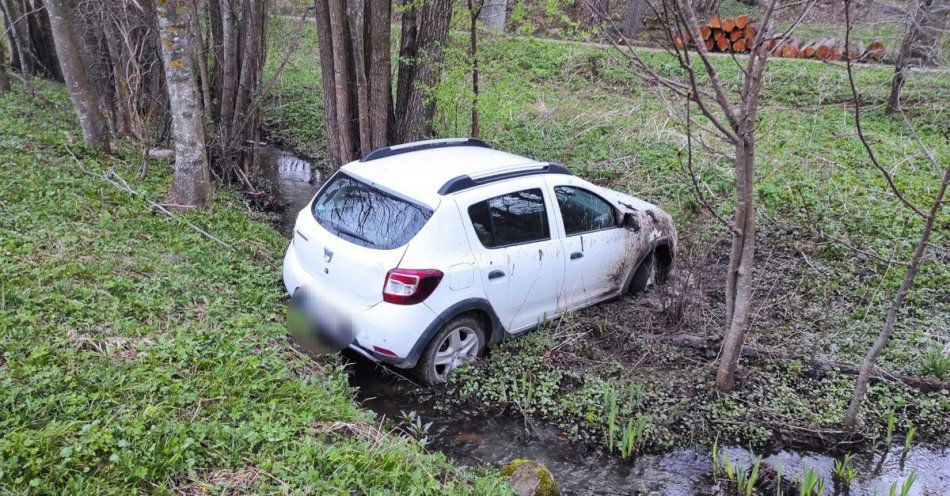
point(844, 470)
point(811, 484)
point(936, 364)
point(905, 487)
point(413, 426)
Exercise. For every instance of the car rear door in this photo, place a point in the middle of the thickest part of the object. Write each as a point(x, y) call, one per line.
point(593, 241)
point(520, 260)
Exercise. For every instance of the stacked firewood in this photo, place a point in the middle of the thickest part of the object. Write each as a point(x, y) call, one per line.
point(738, 35)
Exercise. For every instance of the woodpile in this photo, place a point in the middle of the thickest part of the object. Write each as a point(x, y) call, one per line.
point(738, 35)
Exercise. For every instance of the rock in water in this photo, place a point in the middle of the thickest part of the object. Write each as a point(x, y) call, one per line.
point(530, 478)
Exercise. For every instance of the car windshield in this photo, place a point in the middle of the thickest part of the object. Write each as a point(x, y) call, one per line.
point(367, 216)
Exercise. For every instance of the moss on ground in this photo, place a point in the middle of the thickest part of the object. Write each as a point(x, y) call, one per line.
point(137, 355)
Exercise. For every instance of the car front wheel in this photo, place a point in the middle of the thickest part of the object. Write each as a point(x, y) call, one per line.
point(457, 343)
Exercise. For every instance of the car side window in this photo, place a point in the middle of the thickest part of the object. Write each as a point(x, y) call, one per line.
point(583, 211)
point(511, 219)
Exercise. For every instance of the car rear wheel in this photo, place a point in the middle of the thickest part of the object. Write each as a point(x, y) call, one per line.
point(456, 344)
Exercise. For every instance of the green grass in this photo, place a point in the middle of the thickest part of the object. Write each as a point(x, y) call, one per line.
point(581, 106)
point(139, 356)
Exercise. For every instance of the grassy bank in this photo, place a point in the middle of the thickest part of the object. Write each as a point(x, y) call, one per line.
point(815, 297)
point(137, 355)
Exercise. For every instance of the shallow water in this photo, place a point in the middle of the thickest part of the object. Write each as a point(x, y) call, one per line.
point(496, 440)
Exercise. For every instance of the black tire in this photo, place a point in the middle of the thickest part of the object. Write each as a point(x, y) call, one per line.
point(428, 371)
point(643, 276)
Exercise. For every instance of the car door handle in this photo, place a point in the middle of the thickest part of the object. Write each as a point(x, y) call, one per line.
point(576, 255)
point(495, 274)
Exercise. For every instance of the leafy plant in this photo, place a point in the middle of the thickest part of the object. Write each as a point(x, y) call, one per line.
point(905, 487)
point(936, 364)
point(844, 470)
point(414, 427)
point(811, 484)
point(907, 441)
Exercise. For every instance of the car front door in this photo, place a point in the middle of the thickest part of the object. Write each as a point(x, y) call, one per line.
point(593, 243)
point(520, 261)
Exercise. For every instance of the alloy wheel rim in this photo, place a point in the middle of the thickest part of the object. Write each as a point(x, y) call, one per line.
point(457, 348)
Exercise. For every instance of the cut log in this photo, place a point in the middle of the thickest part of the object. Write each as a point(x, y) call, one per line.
point(823, 49)
point(728, 24)
point(722, 44)
point(790, 49)
point(709, 44)
point(678, 42)
point(738, 46)
point(736, 34)
point(742, 21)
point(705, 32)
point(809, 49)
point(715, 22)
point(875, 51)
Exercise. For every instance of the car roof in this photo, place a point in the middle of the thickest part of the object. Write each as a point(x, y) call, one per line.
point(423, 170)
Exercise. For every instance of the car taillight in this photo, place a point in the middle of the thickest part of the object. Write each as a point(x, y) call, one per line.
point(410, 286)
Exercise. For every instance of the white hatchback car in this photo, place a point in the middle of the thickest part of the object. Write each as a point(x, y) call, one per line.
point(436, 249)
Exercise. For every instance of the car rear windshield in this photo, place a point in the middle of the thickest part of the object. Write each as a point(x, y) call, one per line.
point(367, 216)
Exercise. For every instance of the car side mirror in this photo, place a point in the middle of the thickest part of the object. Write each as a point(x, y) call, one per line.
point(631, 222)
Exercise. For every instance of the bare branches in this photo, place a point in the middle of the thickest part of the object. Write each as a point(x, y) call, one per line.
point(856, 101)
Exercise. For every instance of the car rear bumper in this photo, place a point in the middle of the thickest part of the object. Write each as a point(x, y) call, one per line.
point(382, 326)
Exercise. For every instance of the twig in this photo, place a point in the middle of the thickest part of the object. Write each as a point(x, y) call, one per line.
point(119, 183)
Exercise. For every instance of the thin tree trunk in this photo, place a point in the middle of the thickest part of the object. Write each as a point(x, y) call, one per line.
point(342, 75)
point(191, 185)
point(325, 45)
point(473, 53)
point(202, 55)
point(921, 44)
point(430, 23)
point(4, 79)
point(867, 366)
point(91, 120)
point(380, 72)
point(633, 18)
point(17, 27)
point(356, 11)
point(494, 14)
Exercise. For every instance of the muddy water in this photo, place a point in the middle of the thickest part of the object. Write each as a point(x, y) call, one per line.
point(496, 439)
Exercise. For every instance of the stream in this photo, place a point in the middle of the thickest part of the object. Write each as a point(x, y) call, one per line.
point(495, 440)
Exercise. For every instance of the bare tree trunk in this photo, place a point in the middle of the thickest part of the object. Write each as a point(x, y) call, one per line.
point(867, 366)
point(80, 90)
point(921, 44)
point(4, 79)
point(354, 42)
point(191, 185)
point(202, 56)
point(633, 17)
point(474, 12)
point(380, 72)
point(356, 11)
point(494, 14)
point(425, 29)
point(342, 76)
point(18, 32)
point(325, 44)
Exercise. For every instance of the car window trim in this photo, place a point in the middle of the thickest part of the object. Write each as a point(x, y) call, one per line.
point(580, 233)
point(547, 218)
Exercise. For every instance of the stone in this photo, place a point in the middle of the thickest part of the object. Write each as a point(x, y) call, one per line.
point(530, 478)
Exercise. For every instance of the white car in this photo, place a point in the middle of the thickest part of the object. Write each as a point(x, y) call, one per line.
point(436, 249)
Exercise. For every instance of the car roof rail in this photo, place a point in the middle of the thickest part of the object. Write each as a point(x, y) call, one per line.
point(464, 182)
point(415, 146)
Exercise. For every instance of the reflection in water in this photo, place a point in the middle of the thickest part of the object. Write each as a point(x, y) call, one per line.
point(495, 440)
point(296, 180)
